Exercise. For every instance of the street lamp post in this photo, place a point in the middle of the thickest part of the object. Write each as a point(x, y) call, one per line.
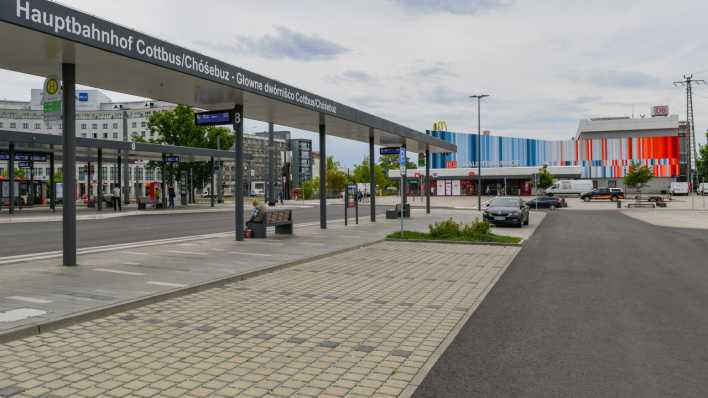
point(479, 149)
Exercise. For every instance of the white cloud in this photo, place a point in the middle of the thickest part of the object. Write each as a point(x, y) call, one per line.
point(545, 63)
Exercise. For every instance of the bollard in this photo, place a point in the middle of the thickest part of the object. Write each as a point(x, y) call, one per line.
point(619, 204)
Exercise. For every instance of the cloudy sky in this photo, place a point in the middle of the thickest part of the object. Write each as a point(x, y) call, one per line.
point(545, 63)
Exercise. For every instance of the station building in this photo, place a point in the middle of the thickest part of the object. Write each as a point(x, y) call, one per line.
point(602, 150)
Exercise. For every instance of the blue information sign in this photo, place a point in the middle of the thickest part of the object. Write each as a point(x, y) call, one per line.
point(390, 150)
point(213, 118)
point(173, 158)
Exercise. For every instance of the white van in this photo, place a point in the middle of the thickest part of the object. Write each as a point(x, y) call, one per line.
point(679, 188)
point(570, 187)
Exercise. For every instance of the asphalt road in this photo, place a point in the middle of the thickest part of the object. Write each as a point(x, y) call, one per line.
point(25, 238)
point(597, 304)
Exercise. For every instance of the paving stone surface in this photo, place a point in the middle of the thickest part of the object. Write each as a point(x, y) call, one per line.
point(344, 331)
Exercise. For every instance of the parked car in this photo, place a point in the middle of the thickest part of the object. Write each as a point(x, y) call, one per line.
point(569, 187)
point(507, 210)
point(546, 202)
point(613, 194)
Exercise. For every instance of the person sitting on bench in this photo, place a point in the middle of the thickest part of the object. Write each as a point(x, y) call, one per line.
point(258, 215)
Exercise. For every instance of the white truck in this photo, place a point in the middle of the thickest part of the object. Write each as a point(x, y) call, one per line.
point(570, 187)
point(679, 188)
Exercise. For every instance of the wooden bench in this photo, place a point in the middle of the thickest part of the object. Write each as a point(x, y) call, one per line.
point(282, 220)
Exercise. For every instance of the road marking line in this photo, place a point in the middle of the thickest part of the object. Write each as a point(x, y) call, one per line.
point(312, 244)
point(252, 254)
point(116, 271)
point(187, 244)
point(131, 263)
point(29, 299)
point(168, 284)
point(186, 252)
point(135, 253)
point(20, 314)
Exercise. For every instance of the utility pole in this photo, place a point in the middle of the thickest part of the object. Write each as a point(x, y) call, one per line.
point(687, 82)
point(479, 149)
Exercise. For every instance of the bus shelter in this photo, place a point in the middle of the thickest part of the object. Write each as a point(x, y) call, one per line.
point(44, 38)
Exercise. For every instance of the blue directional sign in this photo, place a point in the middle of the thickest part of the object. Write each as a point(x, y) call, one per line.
point(390, 150)
point(214, 118)
point(172, 158)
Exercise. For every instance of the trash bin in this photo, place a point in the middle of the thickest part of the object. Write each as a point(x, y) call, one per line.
point(619, 204)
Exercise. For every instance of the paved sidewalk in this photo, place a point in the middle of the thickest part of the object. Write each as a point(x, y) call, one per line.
point(40, 290)
point(357, 324)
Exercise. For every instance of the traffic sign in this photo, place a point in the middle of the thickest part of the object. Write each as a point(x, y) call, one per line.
point(402, 161)
point(390, 150)
point(51, 99)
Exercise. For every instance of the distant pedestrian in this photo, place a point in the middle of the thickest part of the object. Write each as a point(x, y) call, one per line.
point(171, 192)
point(115, 198)
point(280, 198)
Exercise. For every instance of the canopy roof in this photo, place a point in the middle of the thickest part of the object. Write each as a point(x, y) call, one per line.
point(39, 35)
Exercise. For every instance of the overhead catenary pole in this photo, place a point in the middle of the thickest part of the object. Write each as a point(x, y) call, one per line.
point(219, 182)
point(479, 149)
point(323, 173)
point(688, 82)
point(372, 176)
point(68, 72)
point(238, 171)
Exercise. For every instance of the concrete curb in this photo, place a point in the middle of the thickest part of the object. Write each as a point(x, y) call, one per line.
point(83, 316)
point(457, 242)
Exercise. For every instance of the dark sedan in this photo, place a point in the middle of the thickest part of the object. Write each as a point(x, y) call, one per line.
point(507, 211)
point(546, 202)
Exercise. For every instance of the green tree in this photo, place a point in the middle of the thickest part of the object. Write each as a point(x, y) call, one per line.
point(336, 178)
point(363, 175)
point(177, 127)
point(545, 179)
point(391, 162)
point(638, 176)
point(702, 163)
point(311, 188)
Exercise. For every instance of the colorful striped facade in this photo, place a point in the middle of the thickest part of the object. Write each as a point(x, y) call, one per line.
point(600, 158)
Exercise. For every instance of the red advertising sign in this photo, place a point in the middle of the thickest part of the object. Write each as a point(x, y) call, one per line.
point(451, 164)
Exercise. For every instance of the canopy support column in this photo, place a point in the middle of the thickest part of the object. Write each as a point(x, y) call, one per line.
point(238, 171)
point(372, 175)
point(427, 180)
point(99, 186)
point(11, 178)
point(323, 173)
point(270, 186)
point(52, 183)
point(211, 183)
point(68, 72)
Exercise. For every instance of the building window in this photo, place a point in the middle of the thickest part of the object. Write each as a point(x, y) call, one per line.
point(152, 133)
point(142, 133)
point(83, 135)
point(105, 135)
point(25, 126)
point(94, 126)
point(37, 126)
point(13, 125)
point(115, 125)
point(115, 136)
point(83, 126)
point(135, 124)
point(143, 124)
point(95, 135)
point(2, 125)
point(105, 126)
